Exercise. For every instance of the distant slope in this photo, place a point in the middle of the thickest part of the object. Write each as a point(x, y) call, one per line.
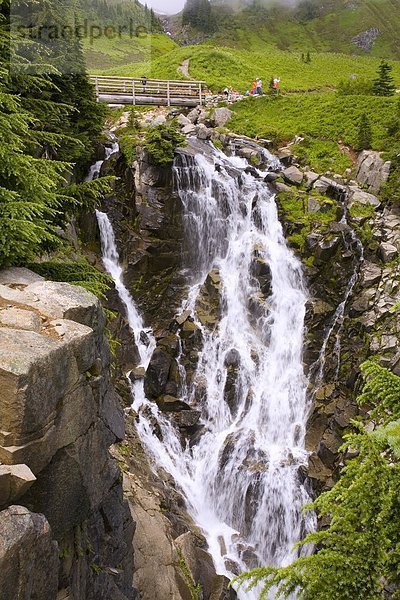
point(108, 55)
point(347, 26)
point(228, 66)
point(121, 32)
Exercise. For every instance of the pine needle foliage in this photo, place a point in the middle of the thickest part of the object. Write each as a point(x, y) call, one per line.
point(384, 83)
point(357, 556)
point(78, 272)
point(48, 126)
point(161, 142)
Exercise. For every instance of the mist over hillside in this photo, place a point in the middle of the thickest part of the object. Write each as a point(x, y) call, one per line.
point(346, 26)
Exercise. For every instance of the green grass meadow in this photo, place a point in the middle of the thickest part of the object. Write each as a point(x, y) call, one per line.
point(160, 57)
point(308, 105)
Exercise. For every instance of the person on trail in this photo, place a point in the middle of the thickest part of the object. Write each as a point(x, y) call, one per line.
point(259, 86)
point(253, 87)
point(276, 85)
point(144, 83)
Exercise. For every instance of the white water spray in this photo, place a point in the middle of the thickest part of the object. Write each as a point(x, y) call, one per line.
point(317, 369)
point(109, 151)
point(242, 480)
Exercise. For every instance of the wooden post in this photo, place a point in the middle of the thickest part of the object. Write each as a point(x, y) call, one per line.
point(124, 86)
point(97, 89)
point(168, 94)
point(201, 95)
point(133, 93)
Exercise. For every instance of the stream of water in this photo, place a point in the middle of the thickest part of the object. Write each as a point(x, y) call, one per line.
point(242, 479)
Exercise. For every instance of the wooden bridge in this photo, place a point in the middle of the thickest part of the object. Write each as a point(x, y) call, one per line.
point(156, 92)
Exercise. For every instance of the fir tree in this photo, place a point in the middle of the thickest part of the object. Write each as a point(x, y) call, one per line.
point(364, 135)
point(383, 85)
point(308, 57)
point(46, 122)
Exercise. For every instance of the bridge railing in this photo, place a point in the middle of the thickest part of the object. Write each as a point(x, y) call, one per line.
point(137, 89)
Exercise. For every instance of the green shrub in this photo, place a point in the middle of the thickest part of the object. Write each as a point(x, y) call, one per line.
point(77, 272)
point(161, 142)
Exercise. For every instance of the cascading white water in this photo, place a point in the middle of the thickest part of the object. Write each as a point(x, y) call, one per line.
point(241, 480)
point(144, 343)
point(317, 369)
point(144, 339)
point(94, 171)
point(247, 462)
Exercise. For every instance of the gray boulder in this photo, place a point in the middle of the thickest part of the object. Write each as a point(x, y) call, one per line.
point(189, 129)
point(387, 251)
point(203, 132)
point(293, 175)
point(15, 480)
point(313, 205)
point(221, 116)
point(182, 120)
point(372, 170)
point(370, 274)
point(28, 556)
point(361, 197)
point(311, 178)
point(283, 188)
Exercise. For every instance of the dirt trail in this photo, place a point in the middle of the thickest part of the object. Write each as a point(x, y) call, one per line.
point(184, 69)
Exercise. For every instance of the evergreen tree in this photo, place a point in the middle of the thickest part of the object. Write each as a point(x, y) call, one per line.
point(46, 122)
point(364, 135)
point(308, 57)
point(383, 85)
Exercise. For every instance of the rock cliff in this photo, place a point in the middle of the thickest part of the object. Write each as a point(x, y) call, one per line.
point(59, 414)
point(346, 240)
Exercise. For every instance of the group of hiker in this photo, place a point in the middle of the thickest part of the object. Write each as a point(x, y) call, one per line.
point(257, 87)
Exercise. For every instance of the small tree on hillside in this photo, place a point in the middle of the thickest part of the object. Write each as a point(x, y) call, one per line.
point(364, 136)
point(308, 57)
point(383, 85)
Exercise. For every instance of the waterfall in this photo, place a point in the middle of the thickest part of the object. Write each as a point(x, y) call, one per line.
point(94, 171)
point(144, 340)
point(318, 367)
point(242, 480)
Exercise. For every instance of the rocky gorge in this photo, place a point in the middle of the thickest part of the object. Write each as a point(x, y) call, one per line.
point(102, 522)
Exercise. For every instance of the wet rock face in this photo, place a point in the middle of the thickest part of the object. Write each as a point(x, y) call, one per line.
point(58, 416)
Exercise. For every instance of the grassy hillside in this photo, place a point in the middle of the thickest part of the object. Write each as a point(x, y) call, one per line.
point(227, 66)
point(326, 116)
point(328, 26)
point(126, 55)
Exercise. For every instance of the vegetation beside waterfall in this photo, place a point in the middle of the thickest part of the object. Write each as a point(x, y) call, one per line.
point(49, 124)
